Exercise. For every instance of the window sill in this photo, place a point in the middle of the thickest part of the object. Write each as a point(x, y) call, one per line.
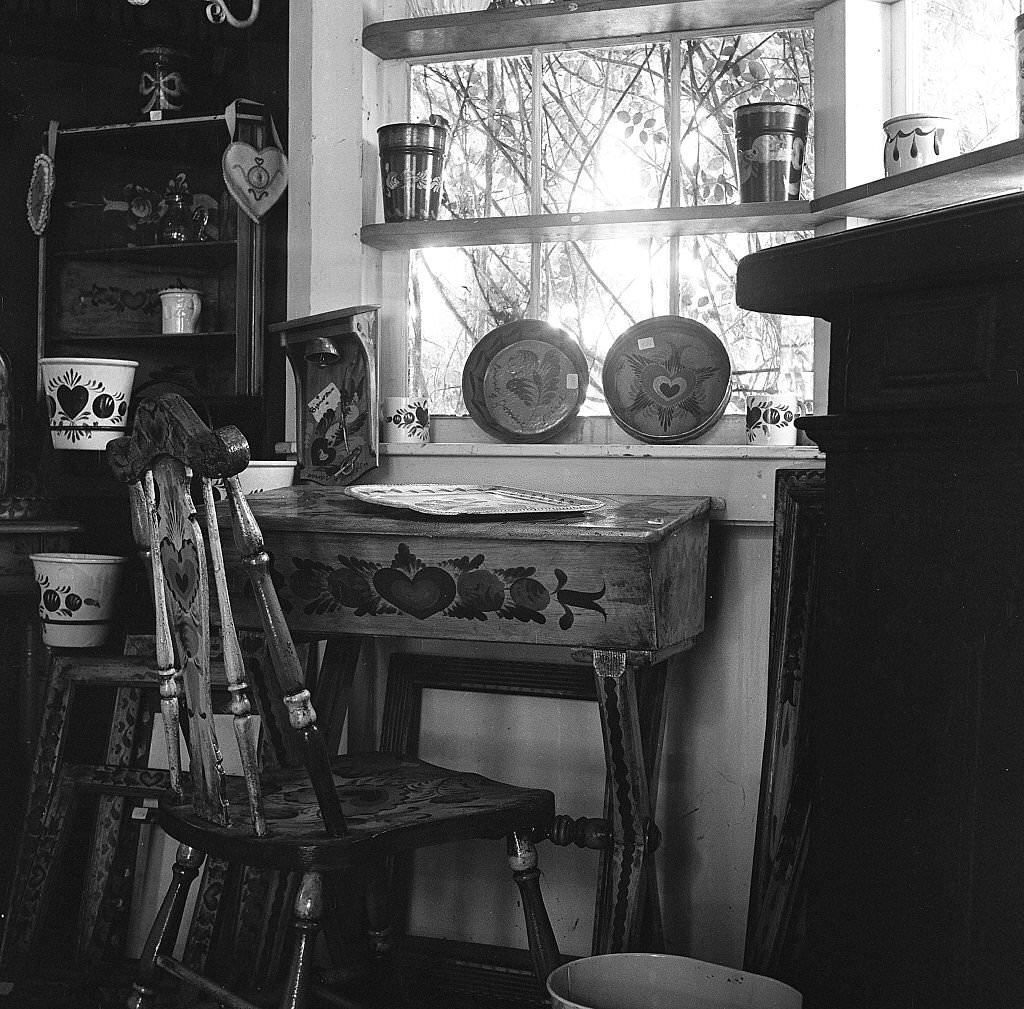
point(740, 477)
point(636, 450)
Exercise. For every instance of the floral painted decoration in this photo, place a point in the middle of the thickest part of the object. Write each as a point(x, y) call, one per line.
point(763, 415)
point(413, 420)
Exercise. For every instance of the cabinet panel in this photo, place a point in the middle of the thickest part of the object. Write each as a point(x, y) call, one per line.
point(915, 865)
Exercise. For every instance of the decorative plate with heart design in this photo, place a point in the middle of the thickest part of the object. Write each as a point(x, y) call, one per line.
point(525, 381)
point(667, 379)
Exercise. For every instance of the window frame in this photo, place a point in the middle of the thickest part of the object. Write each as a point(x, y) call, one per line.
point(588, 429)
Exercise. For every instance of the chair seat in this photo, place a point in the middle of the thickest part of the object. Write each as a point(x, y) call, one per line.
point(391, 803)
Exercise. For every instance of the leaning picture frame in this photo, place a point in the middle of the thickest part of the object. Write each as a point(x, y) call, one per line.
point(775, 935)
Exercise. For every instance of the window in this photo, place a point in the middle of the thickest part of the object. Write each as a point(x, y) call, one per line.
point(963, 64)
point(638, 127)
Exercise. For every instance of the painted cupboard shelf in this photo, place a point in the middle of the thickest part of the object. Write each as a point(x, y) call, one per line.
point(208, 255)
point(570, 22)
point(991, 171)
point(220, 336)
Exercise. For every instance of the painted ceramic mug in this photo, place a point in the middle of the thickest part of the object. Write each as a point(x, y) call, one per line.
point(405, 420)
point(770, 417)
point(86, 399)
point(915, 140)
point(179, 309)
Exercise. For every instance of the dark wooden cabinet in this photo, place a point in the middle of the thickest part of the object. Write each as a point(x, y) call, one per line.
point(105, 256)
point(915, 872)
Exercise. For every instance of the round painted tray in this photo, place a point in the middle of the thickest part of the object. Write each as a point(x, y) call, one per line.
point(525, 381)
point(667, 379)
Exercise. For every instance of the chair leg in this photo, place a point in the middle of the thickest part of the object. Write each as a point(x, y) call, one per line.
point(522, 860)
point(164, 933)
point(309, 909)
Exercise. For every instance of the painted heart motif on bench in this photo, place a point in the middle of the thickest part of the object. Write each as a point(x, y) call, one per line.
point(181, 571)
point(428, 592)
point(255, 179)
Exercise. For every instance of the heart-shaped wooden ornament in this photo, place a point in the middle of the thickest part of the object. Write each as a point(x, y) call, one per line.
point(254, 178)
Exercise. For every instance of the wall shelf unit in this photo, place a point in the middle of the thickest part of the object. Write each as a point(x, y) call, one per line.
point(572, 22)
point(989, 172)
point(205, 254)
point(103, 264)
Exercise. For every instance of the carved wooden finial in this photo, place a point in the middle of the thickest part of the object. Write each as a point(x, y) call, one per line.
point(167, 425)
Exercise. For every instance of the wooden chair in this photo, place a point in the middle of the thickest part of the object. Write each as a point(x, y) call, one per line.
point(332, 819)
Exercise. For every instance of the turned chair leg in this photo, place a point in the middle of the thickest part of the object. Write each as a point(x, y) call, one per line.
point(164, 933)
point(309, 909)
point(522, 860)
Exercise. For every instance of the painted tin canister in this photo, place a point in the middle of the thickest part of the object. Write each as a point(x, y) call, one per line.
point(411, 168)
point(770, 142)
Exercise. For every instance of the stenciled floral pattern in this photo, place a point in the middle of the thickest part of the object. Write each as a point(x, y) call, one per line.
point(412, 420)
point(411, 178)
point(60, 600)
point(777, 158)
point(765, 414)
point(459, 587)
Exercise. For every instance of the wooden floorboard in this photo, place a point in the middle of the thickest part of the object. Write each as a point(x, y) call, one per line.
point(427, 974)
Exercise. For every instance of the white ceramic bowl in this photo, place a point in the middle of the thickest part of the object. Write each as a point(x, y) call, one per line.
point(915, 140)
point(87, 399)
point(267, 474)
point(660, 981)
point(77, 593)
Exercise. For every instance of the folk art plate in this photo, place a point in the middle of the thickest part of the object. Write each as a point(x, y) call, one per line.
point(454, 500)
point(667, 379)
point(525, 381)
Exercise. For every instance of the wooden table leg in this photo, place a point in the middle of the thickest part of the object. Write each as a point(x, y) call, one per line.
point(626, 723)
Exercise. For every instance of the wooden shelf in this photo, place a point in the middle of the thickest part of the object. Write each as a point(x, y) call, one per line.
point(175, 123)
point(991, 171)
point(107, 337)
point(202, 254)
point(709, 220)
point(570, 22)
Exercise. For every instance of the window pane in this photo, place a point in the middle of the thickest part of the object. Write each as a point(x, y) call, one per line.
point(456, 296)
point(966, 62)
point(596, 290)
point(768, 352)
point(605, 144)
point(488, 105)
